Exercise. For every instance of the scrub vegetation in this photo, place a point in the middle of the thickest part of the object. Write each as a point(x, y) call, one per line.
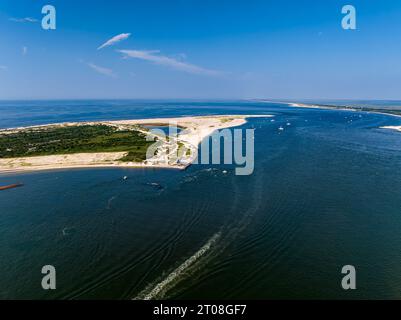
point(74, 139)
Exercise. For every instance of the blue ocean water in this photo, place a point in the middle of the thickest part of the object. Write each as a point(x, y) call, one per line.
point(325, 193)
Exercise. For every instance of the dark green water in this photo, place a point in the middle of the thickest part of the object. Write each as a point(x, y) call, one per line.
point(325, 192)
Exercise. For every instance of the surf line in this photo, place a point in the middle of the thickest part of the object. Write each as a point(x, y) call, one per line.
point(177, 272)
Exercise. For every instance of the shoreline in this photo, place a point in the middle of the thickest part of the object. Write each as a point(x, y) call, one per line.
point(317, 106)
point(343, 108)
point(194, 130)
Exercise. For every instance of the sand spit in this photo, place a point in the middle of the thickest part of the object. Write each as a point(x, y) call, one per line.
point(194, 130)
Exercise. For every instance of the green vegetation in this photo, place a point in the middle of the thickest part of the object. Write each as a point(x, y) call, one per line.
point(180, 149)
point(366, 109)
point(224, 120)
point(74, 139)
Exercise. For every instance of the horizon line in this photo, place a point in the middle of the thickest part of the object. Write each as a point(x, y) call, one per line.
point(203, 99)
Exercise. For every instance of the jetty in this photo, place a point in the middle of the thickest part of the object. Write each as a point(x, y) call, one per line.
point(11, 186)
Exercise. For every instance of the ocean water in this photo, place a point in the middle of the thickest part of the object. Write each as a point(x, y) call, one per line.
point(325, 192)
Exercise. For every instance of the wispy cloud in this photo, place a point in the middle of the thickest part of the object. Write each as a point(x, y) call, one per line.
point(24, 50)
point(115, 40)
point(3, 67)
point(155, 57)
point(26, 19)
point(102, 70)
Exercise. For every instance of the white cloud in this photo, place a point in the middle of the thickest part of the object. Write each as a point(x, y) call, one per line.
point(102, 70)
point(115, 40)
point(24, 50)
point(155, 57)
point(26, 19)
point(3, 67)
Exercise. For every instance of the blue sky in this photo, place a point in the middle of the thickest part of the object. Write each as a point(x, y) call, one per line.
point(200, 49)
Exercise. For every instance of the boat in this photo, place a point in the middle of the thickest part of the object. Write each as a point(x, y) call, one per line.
point(11, 186)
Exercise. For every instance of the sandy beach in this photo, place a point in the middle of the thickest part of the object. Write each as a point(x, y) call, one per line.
point(193, 131)
point(316, 106)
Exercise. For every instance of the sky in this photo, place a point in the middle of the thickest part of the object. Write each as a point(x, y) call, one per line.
point(200, 49)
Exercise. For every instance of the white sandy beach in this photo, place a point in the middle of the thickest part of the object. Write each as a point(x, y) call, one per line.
point(194, 130)
point(316, 106)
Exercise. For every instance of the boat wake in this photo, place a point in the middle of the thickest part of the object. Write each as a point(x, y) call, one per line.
point(214, 247)
point(108, 207)
point(157, 290)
